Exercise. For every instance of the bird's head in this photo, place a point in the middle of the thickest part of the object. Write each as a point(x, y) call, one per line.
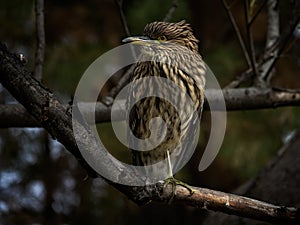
point(163, 32)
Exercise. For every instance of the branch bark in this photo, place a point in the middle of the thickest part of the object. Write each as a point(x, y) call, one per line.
point(57, 120)
point(277, 182)
point(275, 43)
point(235, 204)
point(235, 99)
point(273, 34)
point(40, 39)
point(251, 49)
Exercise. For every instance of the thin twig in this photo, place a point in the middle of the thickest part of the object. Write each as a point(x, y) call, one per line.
point(40, 37)
point(171, 11)
point(123, 18)
point(240, 79)
point(275, 45)
point(250, 39)
point(248, 74)
point(108, 99)
point(258, 12)
point(237, 31)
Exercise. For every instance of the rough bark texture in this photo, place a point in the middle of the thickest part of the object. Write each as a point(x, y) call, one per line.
point(278, 182)
point(235, 99)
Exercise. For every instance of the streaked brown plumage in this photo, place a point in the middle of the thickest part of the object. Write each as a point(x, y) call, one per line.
point(170, 51)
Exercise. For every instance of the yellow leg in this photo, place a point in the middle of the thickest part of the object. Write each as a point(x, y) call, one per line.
point(169, 164)
point(173, 181)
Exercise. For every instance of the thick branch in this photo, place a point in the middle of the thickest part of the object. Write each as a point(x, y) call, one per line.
point(234, 204)
point(39, 102)
point(277, 182)
point(259, 98)
point(57, 120)
point(235, 99)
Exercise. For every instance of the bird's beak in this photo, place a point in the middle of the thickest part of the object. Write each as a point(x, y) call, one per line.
point(144, 40)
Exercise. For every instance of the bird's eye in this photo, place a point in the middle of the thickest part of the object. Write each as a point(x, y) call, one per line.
point(162, 38)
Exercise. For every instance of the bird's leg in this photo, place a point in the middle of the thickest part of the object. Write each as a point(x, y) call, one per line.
point(170, 179)
point(169, 164)
point(173, 181)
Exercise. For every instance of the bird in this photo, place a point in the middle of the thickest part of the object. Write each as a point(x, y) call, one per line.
point(169, 51)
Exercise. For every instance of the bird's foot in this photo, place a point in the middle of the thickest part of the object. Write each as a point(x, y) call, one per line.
point(174, 182)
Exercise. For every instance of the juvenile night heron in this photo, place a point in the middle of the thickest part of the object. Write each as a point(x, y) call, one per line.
point(170, 51)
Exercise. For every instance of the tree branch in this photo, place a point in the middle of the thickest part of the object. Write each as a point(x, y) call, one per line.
point(234, 204)
point(257, 12)
point(240, 79)
point(237, 31)
point(273, 34)
point(285, 37)
point(123, 18)
point(260, 98)
point(235, 99)
point(275, 44)
point(40, 39)
point(251, 50)
point(39, 102)
point(57, 120)
point(109, 99)
point(267, 185)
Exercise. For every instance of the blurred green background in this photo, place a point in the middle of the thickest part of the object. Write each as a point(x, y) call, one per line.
point(41, 183)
